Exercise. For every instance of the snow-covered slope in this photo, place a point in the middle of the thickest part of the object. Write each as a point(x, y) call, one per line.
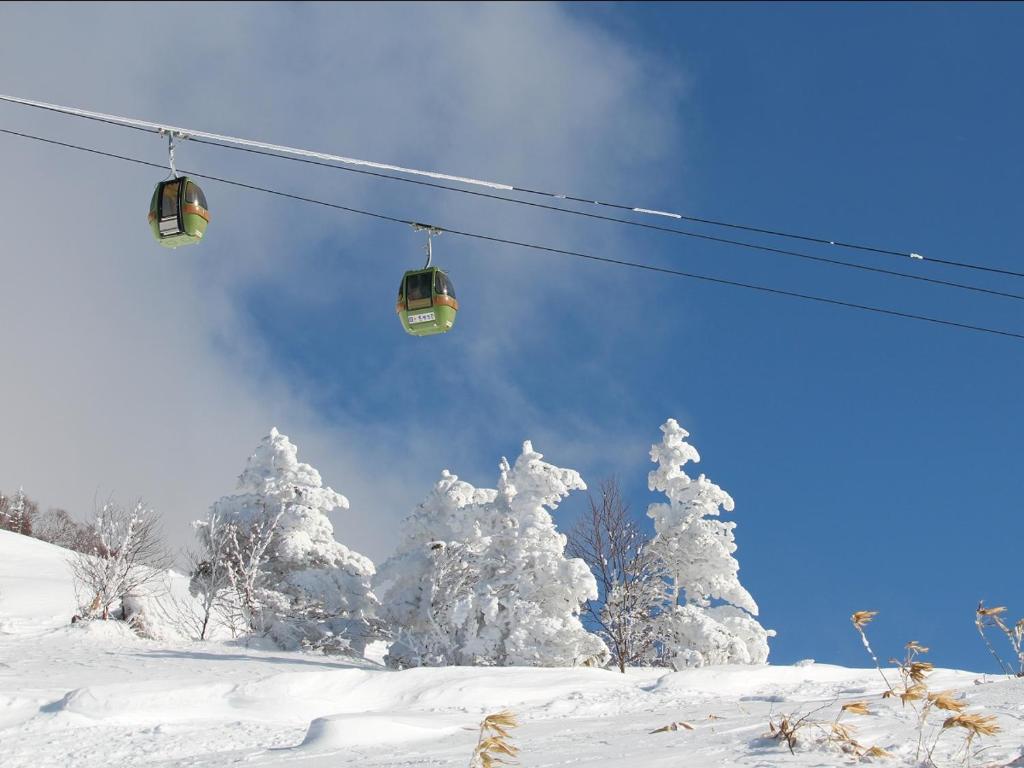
point(99, 696)
point(35, 584)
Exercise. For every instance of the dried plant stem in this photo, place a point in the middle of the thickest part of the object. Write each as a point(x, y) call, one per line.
point(913, 674)
point(991, 617)
point(991, 649)
point(922, 719)
point(494, 742)
point(874, 658)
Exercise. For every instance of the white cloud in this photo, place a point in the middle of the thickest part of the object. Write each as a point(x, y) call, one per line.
point(134, 371)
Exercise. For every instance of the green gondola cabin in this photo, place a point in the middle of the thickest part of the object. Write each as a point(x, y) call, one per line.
point(178, 213)
point(426, 302)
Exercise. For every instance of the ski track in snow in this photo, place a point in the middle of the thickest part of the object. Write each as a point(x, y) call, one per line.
point(96, 695)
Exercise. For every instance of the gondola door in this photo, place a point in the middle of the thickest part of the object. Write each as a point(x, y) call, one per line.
point(169, 215)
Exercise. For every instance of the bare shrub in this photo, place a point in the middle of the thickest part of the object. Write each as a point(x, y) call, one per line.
point(210, 571)
point(228, 575)
point(171, 615)
point(128, 557)
point(56, 526)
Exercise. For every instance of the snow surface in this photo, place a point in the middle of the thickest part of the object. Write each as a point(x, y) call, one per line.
point(97, 695)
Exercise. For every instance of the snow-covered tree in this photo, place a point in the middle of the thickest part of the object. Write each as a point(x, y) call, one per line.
point(290, 574)
point(17, 513)
point(226, 573)
point(481, 576)
point(429, 584)
point(707, 617)
point(127, 560)
point(533, 592)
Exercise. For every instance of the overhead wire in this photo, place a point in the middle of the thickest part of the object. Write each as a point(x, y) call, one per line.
point(304, 153)
point(542, 248)
point(640, 224)
point(601, 217)
point(659, 228)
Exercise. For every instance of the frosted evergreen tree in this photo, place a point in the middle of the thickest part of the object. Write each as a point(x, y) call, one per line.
point(534, 592)
point(428, 586)
point(17, 513)
point(706, 616)
point(311, 590)
point(481, 575)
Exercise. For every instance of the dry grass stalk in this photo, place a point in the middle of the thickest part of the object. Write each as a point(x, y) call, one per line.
point(917, 670)
point(974, 724)
point(914, 693)
point(676, 726)
point(842, 732)
point(785, 731)
point(944, 700)
point(992, 617)
point(861, 619)
point(833, 733)
point(911, 668)
point(493, 744)
point(913, 676)
point(856, 708)
point(977, 725)
point(912, 671)
point(994, 611)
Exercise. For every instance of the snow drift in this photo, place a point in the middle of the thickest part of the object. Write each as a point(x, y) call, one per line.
point(101, 696)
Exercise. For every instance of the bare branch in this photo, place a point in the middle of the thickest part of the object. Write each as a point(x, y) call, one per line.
point(612, 545)
point(127, 558)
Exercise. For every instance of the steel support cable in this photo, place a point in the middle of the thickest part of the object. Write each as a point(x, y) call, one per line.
point(234, 140)
point(543, 248)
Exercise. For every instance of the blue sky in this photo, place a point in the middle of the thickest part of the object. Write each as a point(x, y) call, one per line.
point(874, 461)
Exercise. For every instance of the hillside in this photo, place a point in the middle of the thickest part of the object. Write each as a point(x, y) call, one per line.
point(97, 695)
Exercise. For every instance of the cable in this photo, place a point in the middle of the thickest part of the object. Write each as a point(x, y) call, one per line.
point(543, 248)
point(147, 125)
point(304, 157)
point(162, 127)
point(642, 225)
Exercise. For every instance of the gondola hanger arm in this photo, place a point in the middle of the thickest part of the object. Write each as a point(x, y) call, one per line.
point(431, 231)
point(171, 135)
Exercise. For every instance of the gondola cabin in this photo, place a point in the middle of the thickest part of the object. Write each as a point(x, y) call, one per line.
point(426, 302)
point(178, 214)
